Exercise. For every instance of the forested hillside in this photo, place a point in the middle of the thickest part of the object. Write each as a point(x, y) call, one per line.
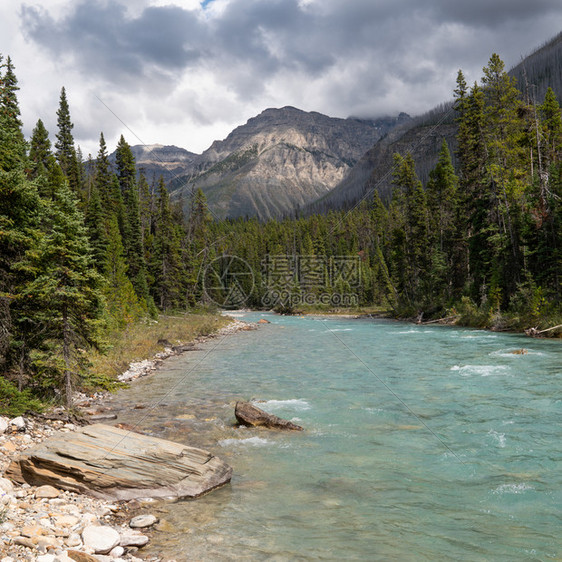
point(483, 242)
point(421, 136)
point(84, 250)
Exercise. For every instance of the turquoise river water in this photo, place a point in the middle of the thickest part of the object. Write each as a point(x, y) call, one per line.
point(421, 443)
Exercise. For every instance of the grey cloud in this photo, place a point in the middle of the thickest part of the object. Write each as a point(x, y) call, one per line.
point(348, 54)
point(104, 41)
point(486, 13)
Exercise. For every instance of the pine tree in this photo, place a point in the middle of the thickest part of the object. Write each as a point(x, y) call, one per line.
point(132, 228)
point(95, 222)
point(12, 142)
point(411, 234)
point(39, 151)
point(64, 145)
point(123, 304)
point(19, 213)
point(103, 178)
point(65, 294)
point(167, 267)
point(504, 131)
point(442, 206)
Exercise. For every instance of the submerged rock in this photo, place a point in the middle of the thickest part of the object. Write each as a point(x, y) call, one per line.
point(248, 414)
point(111, 463)
point(141, 521)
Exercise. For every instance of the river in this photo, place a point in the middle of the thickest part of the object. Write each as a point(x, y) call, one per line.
point(421, 443)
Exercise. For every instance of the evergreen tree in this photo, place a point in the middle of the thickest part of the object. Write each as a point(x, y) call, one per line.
point(131, 228)
point(123, 304)
point(12, 142)
point(19, 212)
point(103, 178)
point(64, 145)
point(95, 222)
point(411, 234)
point(65, 294)
point(167, 266)
point(504, 130)
point(441, 203)
point(39, 151)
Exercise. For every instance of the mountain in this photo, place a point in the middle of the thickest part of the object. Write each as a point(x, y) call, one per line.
point(540, 70)
point(423, 135)
point(157, 160)
point(279, 161)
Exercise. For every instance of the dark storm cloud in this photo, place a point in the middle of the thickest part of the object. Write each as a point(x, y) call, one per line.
point(491, 13)
point(353, 52)
point(105, 41)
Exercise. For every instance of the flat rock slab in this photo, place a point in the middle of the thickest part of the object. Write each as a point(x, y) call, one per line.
point(116, 464)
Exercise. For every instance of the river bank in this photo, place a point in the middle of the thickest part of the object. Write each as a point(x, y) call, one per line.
point(43, 524)
point(472, 318)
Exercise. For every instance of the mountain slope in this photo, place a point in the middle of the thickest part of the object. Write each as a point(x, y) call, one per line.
point(278, 161)
point(422, 136)
point(157, 160)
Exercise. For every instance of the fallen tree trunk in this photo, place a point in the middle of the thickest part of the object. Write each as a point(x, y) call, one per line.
point(247, 414)
point(536, 332)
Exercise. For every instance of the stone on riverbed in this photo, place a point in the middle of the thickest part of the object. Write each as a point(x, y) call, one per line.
point(248, 414)
point(111, 463)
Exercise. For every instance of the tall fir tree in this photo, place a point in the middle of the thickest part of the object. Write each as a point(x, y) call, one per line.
point(66, 295)
point(167, 264)
point(132, 228)
point(12, 142)
point(39, 150)
point(64, 145)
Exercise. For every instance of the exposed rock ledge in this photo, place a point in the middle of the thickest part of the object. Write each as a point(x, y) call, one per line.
point(111, 463)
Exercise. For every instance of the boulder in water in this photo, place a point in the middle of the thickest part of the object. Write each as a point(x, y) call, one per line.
point(248, 414)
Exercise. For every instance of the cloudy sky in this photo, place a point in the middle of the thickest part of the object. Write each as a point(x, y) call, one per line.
point(186, 72)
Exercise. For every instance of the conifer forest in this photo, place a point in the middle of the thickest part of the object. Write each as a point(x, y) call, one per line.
point(88, 247)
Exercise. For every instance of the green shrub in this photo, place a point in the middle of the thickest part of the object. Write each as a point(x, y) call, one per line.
point(15, 403)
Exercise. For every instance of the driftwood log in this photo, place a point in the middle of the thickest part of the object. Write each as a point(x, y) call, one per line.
point(248, 414)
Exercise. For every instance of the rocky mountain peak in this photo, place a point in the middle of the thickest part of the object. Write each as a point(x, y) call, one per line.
point(278, 161)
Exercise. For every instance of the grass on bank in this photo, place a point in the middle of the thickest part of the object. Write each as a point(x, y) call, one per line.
point(138, 341)
point(143, 340)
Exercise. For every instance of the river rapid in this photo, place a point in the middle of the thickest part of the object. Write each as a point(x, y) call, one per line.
point(421, 443)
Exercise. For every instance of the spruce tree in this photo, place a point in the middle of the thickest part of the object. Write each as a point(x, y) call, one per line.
point(64, 145)
point(442, 206)
point(95, 221)
point(411, 236)
point(66, 295)
point(19, 214)
point(103, 178)
point(167, 267)
point(12, 142)
point(39, 150)
point(123, 304)
point(132, 229)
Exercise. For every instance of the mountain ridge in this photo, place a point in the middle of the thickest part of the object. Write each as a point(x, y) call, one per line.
point(278, 161)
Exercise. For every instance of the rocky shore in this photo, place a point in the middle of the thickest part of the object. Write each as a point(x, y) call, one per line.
point(44, 524)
